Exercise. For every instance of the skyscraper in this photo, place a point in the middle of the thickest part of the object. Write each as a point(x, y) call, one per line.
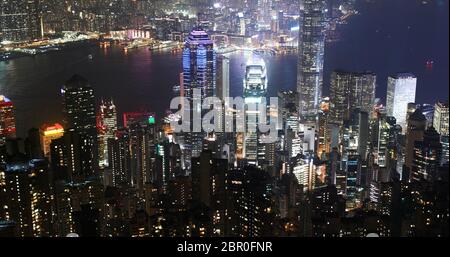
point(310, 58)
point(350, 90)
point(79, 106)
point(440, 123)
point(440, 119)
point(199, 73)
point(255, 90)
point(426, 156)
point(414, 132)
point(80, 121)
point(199, 64)
point(107, 127)
point(7, 120)
point(401, 90)
point(19, 20)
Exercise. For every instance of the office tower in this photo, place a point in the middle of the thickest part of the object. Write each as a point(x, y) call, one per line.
point(199, 64)
point(440, 119)
point(401, 90)
point(440, 123)
point(249, 209)
point(119, 156)
point(324, 129)
point(255, 90)
point(414, 132)
point(7, 120)
point(208, 188)
point(199, 73)
point(106, 128)
point(49, 133)
point(71, 157)
point(293, 143)
point(428, 111)
point(223, 86)
point(19, 20)
point(427, 156)
point(79, 106)
point(381, 135)
point(355, 134)
point(28, 201)
point(310, 58)
point(142, 148)
point(80, 121)
point(308, 135)
point(303, 169)
point(351, 90)
point(223, 77)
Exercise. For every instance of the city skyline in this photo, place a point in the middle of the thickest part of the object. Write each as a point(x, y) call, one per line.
point(340, 162)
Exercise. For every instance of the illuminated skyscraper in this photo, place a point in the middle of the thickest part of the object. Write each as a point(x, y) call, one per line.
point(440, 123)
point(310, 58)
point(255, 90)
point(19, 20)
point(441, 117)
point(199, 73)
point(80, 121)
point(199, 64)
point(106, 126)
point(426, 156)
point(401, 90)
point(49, 133)
point(79, 106)
point(414, 132)
point(7, 120)
point(350, 90)
point(27, 195)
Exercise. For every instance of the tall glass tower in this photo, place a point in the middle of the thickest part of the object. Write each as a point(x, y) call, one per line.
point(401, 90)
point(255, 90)
point(199, 73)
point(311, 48)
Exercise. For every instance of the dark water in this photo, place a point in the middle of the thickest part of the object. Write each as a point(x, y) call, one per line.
point(388, 36)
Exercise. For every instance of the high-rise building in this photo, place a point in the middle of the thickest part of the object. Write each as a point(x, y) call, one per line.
point(414, 132)
point(7, 120)
point(79, 106)
point(223, 86)
point(440, 123)
point(311, 56)
point(80, 121)
point(49, 133)
point(249, 210)
point(28, 198)
point(142, 148)
point(401, 90)
point(426, 156)
point(106, 127)
point(255, 90)
point(199, 73)
point(351, 90)
point(19, 20)
point(199, 64)
point(223, 77)
point(208, 188)
point(441, 117)
point(119, 158)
